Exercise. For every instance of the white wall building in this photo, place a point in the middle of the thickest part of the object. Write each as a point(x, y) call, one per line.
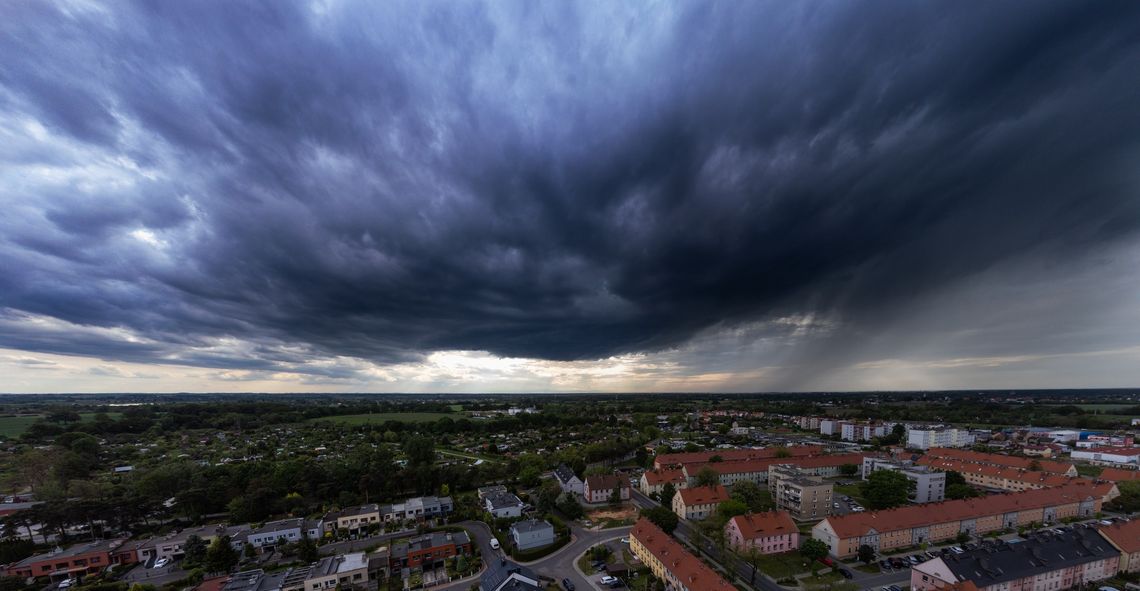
point(928, 438)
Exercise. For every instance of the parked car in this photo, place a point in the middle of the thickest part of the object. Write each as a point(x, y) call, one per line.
point(957, 550)
point(625, 540)
point(64, 584)
point(161, 562)
point(494, 543)
point(883, 564)
point(846, 573)
point(914, 559)
point(567, 585)
point(608, 580)
point(895, 588)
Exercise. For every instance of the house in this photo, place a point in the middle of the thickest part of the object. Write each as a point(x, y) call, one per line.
point(653, 481)
point(938, 522)
point(532, 533)
point(256, 580)
point(507, 576)
point(483, 491)
point(755, 471)
point(418, 508)
point(173, 545)
point(65, 563)
point(1119, 474)
point(699, 502)
point(1116, 456)
point(770, 532)
point(671, 562)
point(503, 505)
point(599, 488)
point(352, 518)
point(567, 479)
point(271, 534)
point(1043, 562)
point(429, 550)
point(346, 570)
point(1125, 537)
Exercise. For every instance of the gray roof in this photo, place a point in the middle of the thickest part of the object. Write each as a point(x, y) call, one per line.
point(256, 580)
point(1041, 553)
point(272, 526)
point(531, 525)
point(498, 578)
point(502, 500)
point(564, 474)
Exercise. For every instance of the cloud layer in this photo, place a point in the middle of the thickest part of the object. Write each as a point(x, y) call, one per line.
point(266, 187)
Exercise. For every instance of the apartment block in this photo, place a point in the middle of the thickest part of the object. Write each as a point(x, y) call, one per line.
point(1125, 537)
point(973, 457)
point(699, 502)
point(804, 497)
point(669, 561)
point(929, 485)
point(771, 532)
point(931, 438)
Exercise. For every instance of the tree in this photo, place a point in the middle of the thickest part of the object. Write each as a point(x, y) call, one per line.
point(1034, 466)
point(547, 495)
point(194, 551)
point(849, 469)
point(866, 553)
point(754, 497)
point(662, 518)
point(667, 493)
point(884, 489)
point(729, 509)
point(221, 556)
point(249, 551)
point(707, 477)
point(963, 537)
point(615, 495)
point(569, 506)
point(307, 549)
point(814, 550)
point(783, 452)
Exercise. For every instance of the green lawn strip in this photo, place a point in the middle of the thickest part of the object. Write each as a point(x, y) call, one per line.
point(780, 566)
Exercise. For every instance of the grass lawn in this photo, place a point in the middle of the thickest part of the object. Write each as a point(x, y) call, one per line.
point(824, 579)
point(868, 568)
point(851, 490)
point(383, 417)
point(586, 563)
point(780, 566)
point(1088, 470)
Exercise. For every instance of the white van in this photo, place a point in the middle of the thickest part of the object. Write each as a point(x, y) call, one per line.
point(495, 543)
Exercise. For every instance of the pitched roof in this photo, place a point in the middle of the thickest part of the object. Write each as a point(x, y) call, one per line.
point(998, 459)
point(564, 474)
point(769, 523)
point(605, 482)
point(664, 476)
point(1118, 474)
point(1040, 554)
point(1117, 451)
point(762, 465)
point(694, 574)
point(703, 495)
point(994, 471)
point(857, 524)
point(1124, 534)
point(731, 455)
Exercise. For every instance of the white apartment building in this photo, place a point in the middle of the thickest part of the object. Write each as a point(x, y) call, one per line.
point(928, 438)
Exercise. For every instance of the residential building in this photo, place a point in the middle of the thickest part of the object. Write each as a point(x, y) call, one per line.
point(483, 491)
point(652, 481)
point(804, 496)
point(1119, 474)
point(507, 576)
point(698, 502)
point(418, 508)
point(829, 427)
point(172, 546)
point(1005, 478)
point(770, 532)
point(861, 431)
point(531, 534)
point(1116, 456)
point(756, 470)
point(345, 570)
point(567, 479)
point(353, 518)
point(256, 580)
point(599, 488)
point(1045, 562)
point(429, 550)
point(732, 455)
point(929, 485)
point(1125, 537)
point(938, 522)
point(273, 533)
point(669, 561)
point(931, 438)
point(64, 563)
point(503, 505)
point(1107, 441)
point(974, 457)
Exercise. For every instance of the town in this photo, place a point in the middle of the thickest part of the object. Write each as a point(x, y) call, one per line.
point(492, 493)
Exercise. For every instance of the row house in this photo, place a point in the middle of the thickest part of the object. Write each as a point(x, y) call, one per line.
point(756, 470)
point(653, 481)
point(1119, 474)
point(65, 563)
point(1005, 478)
point(172, 546)
point(418, 508)
point(342, 571)
point(670, 562)
point(974, 457)
point(1045, 562)
point(273, 533)
point(939, 522)
point(771, 532)
point(676, 460)
point(699, 502)
point(1125, 537)
point(430, 550)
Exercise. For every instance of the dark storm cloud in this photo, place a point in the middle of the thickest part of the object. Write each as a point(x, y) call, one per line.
point(550, 181)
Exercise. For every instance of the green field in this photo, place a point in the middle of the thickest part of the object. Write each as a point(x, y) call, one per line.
point(383, 417)
point(14, 426)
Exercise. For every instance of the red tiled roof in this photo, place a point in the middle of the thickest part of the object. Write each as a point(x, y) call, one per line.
point(1119, 451)
point(1009, 473)
point(605, 482)
point(674, 475)
point(1125, 535)
point(769, 523)
point(685, 567)
point(998, 459)
point(1118, 474)
point(857, 524)
point(703, 495)
point(762, 465)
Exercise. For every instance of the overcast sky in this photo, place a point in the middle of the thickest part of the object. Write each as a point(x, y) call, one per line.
point(578, 196)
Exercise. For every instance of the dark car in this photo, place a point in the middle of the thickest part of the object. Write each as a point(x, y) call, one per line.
point(567, 585)
point(846, 573)
point(898, 563)
point(883, 564)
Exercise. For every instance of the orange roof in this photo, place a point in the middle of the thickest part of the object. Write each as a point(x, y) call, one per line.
point(769, 523)
point(857, 524)
point(1124, 535)
point(1006, 472)
point(674, 475)
point(682, 565)
point(703, 495)
point(731, 455)
point(998, 459)
point(605, 482)
point(1118, 451)
point(966, 585)
point(1118, 474)
point(762, 465)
